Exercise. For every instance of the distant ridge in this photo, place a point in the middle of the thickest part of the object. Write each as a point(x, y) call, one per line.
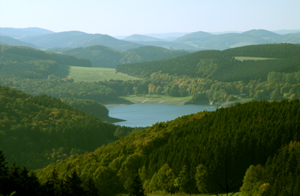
point(195, 41)
point(137, 37)
point(19, 33)
point(78, 39)
point(194, 36)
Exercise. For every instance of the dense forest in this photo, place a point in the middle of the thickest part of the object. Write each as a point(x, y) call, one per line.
point(38, 130)
point(205, 152)
point(218, 75)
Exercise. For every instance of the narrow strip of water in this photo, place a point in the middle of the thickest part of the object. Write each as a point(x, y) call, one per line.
point(142, 115)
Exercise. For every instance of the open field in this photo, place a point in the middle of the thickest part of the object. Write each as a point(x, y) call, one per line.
point(91, 74)
point(245, 58)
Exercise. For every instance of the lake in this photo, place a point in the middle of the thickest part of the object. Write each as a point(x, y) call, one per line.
point(142, 115)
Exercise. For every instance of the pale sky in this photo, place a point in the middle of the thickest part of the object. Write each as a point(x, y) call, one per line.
point(126, 17)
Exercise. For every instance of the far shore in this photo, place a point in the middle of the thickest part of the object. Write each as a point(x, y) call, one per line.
point(150, 99)
point(162, 99)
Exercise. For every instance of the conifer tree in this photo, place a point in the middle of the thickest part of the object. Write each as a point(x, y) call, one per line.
point(136, 188)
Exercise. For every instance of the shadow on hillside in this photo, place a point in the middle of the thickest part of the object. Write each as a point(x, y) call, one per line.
point(63, 71)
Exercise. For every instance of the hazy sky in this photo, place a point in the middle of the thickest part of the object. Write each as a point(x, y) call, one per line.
point(126, 17)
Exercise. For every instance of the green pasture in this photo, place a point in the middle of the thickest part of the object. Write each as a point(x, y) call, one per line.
point(91, 74)
point(245, 58)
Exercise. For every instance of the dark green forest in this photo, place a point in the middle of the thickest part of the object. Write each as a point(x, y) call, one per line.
point(198, 153)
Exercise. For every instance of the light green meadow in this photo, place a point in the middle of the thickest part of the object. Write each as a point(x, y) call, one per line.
point(91, 74)
point(245, 58)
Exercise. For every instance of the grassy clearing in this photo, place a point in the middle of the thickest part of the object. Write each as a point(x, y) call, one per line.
point(163, 99)
point(245, 58)
point(91, 74)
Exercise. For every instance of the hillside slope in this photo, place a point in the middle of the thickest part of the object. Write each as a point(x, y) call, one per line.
point(221, 65)
point(172, 156)
point(36, 131)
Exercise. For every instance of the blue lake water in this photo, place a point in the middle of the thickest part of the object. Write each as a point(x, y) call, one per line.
point(141, 115)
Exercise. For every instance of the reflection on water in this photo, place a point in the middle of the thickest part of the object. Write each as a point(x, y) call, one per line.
point(141, 115)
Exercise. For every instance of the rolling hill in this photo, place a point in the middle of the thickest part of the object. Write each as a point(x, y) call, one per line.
point(221, 65)
point(102, 56)
point(205, 41)
point(5, 40)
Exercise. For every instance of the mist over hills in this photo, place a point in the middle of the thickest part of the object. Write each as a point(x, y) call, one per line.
point(195, 41)
point(137, 37)
point(78, 39)
point(219, 41)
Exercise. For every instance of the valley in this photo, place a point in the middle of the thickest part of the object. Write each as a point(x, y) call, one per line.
point(183, 121)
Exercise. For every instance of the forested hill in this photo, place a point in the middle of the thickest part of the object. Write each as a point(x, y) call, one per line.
point(21, 54)
point(13, 42)
point(193, 154)
point(32, 70)
point(36, 131)
point(102, 56)
point(222, 65)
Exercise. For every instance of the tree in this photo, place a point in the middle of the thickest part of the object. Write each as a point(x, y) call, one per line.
point(183, 181)
point(275, 95)
point(166, 178)
point(136, 187)
point(201, 178)
point(252, 180)
point(73, 185)
point(3, 172)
